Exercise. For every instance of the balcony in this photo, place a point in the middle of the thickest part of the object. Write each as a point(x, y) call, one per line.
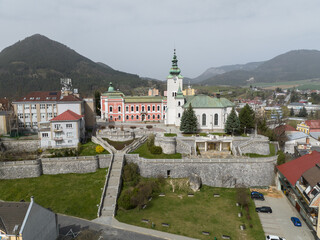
point(301, 188)
point(58, 129)
point(58, 138)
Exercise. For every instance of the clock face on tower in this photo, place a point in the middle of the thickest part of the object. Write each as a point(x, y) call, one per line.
point(174, 79)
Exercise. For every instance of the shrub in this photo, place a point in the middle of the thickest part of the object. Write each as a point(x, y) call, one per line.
point(111, 126)
point(131, 173)
point(149, 126)
point(133, 127)
point(156, 150)
point(150, 142)
point(99, 149)
point(124, 200)
point(281, 158)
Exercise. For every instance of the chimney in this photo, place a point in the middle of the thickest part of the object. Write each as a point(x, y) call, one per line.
point(307, 140)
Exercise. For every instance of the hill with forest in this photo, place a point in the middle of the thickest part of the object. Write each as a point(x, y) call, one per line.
point(291, 66)
point(37, 63)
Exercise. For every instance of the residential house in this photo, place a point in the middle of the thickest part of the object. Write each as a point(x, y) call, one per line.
point(27, 221)
point(65, 130)
point(309, 126)
point(300, 179)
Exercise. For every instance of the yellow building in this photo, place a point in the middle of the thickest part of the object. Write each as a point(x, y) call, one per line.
point(303, 127)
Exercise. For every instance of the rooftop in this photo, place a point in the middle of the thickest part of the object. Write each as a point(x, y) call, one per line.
point(204, 101)
point(294, 169)
point(48, 96)
point(312, 175)
point(67, 116)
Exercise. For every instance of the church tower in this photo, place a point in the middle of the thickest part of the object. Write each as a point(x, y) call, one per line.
point(174, 89)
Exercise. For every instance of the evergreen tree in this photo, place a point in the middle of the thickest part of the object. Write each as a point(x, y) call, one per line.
point(246, 118)
point(291, 112)
point(232, 124)
point(189, 121)
point(303, 112)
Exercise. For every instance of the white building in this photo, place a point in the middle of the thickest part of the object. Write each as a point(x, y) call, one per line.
point(65, 130)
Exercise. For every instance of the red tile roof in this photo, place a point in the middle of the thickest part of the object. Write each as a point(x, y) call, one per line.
point(67, 116)
point(47, 96)
point(294, 169)
point(284, 128)
point(313, 123)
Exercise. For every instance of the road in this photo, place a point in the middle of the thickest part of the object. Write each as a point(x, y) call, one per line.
point(279, 223)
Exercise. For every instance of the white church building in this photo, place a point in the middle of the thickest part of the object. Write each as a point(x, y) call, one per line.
point(211, 112)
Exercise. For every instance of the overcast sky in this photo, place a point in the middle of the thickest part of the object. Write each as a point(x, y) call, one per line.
point(138, 36)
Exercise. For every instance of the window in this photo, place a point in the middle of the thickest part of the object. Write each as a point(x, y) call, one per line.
point(26, 106)
point(32, 98)
point(34, 124)
point(49, 115)
point(179, 115)
point(148, 108)
point(20, 106)
point(33, 115)
point(27, 115)
point(21, 124)
point(110, 109)
point(20, 115)
point(153, 108)
point(48, 106)
point(54, 106)
point(37, 98)
point(28, 124)
point(142, 108)
point(216, 119)
point(178, 103)
point(204, 119)
point(119, 117)
point(137, 117)
point(33, 106)
point(127, 117)
point(164, 108)
point(54, 114)
point(132, 108)
point(110, 118)
point(69, 125)
point(69, 134)
point(42, 106)
point(127, 108)
point(131, 117)
point(158, 108)
point(45, 135)
point(43, 116)
point(119, 108)
point(57, 126)
point(148, 116)
point(164, 116)
point(158, 116)
point(153, 117)
point(69, 141)
point(137, 108)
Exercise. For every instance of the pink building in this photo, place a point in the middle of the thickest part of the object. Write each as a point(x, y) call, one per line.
point(116, 107)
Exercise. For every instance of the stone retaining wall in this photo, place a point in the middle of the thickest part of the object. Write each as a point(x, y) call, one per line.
point(258, 147)
point(35, 168)
point(168, 144)
point(20, 169)
point(213, 172)
point(21, 145)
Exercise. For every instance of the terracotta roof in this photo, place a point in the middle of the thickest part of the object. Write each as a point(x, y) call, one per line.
point(67, 116)
point(313, 123)
point(12, 214)
point(47, 96)
point(284, 128)
point(294, 169)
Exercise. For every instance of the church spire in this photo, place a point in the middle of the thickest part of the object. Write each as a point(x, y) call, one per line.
point(174, 69)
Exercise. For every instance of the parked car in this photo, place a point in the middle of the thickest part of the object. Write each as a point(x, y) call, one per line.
point(257, 196)
point(274, 237)
point(296, 221)
point(264, 209)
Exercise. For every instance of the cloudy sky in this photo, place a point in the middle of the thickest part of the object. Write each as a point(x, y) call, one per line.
point(138, 36)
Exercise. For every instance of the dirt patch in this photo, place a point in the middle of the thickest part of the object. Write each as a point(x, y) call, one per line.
point(270, 192)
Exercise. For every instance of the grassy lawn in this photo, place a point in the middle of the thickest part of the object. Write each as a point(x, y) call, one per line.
point(118, 145)
point(170, 134)
point(255, 155)
point(70, 194)
point(89, 149)
point(144, 152)
point(195, 134)
point(189, 216)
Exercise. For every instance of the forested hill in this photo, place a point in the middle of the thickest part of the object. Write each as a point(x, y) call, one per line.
point(37, 63)
point(291, 66)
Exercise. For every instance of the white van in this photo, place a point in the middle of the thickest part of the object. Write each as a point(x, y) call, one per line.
point(273, 237)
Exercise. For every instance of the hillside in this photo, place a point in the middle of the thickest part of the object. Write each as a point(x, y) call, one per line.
point(214, 71)
point(291, 66)
point(37, 63)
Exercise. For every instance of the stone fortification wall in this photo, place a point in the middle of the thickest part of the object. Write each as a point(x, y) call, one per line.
point(20, 169)
point(168, 144)
point(104, 160)
point(35, 168)
point(21, 145)
point(69, 165)
point(185, 146)
point(213, 172)
point(255, 146)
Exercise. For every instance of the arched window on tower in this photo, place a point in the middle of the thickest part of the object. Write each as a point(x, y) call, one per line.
point(204, 119)
point(110, 109)
point(216, 119)
point(178, 103)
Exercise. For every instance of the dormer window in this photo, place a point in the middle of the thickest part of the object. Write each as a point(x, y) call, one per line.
point(32, 98)
point(47, 98)
point(37, 98)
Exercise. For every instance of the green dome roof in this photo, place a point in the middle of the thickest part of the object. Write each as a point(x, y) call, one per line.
point(111, 88)
point(174, 69)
